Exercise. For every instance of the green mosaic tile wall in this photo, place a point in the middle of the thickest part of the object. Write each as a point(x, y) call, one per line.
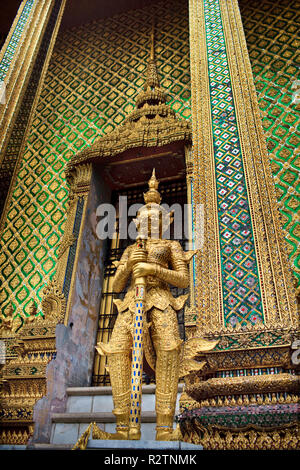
point(271, 32)
point(95, 73)
point(94, 76)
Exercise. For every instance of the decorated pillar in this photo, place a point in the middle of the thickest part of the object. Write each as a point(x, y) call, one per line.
point(244, 289)
point(24, 60)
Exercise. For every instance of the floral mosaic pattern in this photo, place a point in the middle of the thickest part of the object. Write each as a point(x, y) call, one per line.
point(271, 32)
point(241, 290)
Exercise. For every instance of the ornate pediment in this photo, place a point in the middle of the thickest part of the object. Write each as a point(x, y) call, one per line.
point(151, 124)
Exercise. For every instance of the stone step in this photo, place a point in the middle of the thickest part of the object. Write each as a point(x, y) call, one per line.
point(142, 445)
point(13, 447)
point(102, 417)
point(68, 427)
point(68, 433)
point(112, 445)
point(94, 404)
point(49, 447)
point(99, 399)
point(107, 390)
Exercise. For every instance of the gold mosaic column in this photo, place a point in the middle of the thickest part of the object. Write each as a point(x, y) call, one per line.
point(17, 75)
point(23, 61)
point(246, 395)
point(278, 305)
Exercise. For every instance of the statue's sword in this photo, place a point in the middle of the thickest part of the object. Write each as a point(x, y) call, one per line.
point(137, 356)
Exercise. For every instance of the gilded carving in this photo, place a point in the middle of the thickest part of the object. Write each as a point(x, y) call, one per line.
point(252, 438)
point(8, 321)
point(252, 337)
point(13, 437)
point(80, 181)
point(264, 357)
point(67, 241)
point(23, 376)
point(244, 385)
point(53, 303)
point(188, 403)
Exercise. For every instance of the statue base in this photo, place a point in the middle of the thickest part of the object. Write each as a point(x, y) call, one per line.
point(95, 438)
point(141, 444)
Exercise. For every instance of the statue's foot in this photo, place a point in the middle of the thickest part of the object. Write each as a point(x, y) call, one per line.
point(97, 433)
point(168, 434)
point(120, 434)
point(164, 434)
point(134, 434)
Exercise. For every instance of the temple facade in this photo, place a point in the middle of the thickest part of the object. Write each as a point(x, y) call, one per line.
point(205, 92)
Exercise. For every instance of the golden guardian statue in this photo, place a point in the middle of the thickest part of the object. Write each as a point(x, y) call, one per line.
point(146, 327)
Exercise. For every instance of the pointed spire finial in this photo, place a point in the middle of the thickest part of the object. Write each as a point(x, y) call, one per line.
point(152, 96)
point(152, 195)
point(152, 80)
point(152, 39)
point(153, 183)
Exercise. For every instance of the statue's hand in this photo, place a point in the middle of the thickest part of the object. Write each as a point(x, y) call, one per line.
point(143, 269)
point(137, 255)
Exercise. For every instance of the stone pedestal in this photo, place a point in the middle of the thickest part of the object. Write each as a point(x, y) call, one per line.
point(141, 445)
point(95, 404)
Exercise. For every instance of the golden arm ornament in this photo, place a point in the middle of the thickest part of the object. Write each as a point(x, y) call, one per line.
point(178, 276)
